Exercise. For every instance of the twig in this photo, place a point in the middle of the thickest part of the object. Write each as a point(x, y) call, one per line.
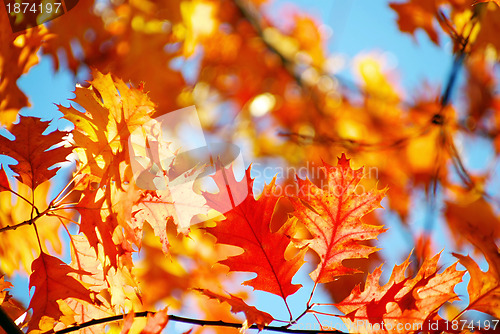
point(13, 227)
point(217, 323)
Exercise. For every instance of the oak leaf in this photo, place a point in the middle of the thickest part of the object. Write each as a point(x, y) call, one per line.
point(156, 322)
point(332, 216)
point(18, 54)
point(178, 203)
point(92, 223)
point(402, 299)
point(83, 259)
point(484, 287)
point(112, 112)
point(4, 181)
point(50, 277)
point(253, 315)
point(477, 222)
point(32, 150)
point(247, 226)
point(413, 15)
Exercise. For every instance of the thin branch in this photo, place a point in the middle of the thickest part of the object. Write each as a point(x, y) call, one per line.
point(13, 227)
point(198, 322)
point(303, 313)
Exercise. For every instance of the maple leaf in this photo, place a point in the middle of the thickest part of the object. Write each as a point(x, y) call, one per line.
point(33, 152)
point(402, 299)
point(253, 315)
point(50, 277)
point(247, 226)
point(333, 215)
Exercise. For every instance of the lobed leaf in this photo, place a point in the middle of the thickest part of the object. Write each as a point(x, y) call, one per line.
point(333, 215)
point(50, 277)
point(32, 150)
point(246, 225)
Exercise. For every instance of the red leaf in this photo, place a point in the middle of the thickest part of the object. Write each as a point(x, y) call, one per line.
point(402, 299)
point(247, 226)
point(4, 181)
point(50, 277)
point(31, 150)
point(333, 215)
point(253, 315)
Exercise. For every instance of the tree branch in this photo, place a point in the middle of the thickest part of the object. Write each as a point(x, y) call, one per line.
point(13, 227)
point(198, 322)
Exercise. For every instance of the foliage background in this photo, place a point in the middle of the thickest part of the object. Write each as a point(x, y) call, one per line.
point(361, 31)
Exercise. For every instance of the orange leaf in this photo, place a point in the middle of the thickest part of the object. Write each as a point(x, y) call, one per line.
point(417, 14)
point(484, 287)
point(156, 323)
point(333, 215)
point(32, 151)
point(479, 1)
point(477, 222)
point(91, 222)
point(50, 277)
point(402, 299)
point(112, 112)
point(253, 315)
point(247, 226)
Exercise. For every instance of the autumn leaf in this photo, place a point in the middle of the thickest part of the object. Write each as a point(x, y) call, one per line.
point(18, 54)
point(247, 226)
point(480, 1)
point(50, 277)
point(477, 222)
point(156, 322)
point(4, 295)
point(33, 151)
point(158, 207)
point(484, 287)
point(253, 315)
point(112, 112)
point(94, 227)
point(4, 181)
point(402, 299)
point(414, 15)
point(84, 260)
point(332, 216)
